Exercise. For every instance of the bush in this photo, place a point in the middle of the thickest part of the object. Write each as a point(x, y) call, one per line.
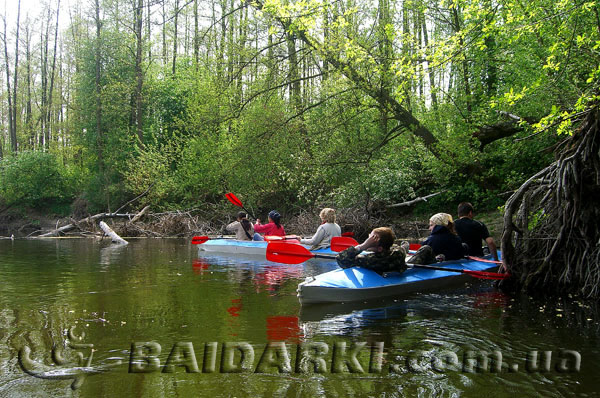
point(33, 179)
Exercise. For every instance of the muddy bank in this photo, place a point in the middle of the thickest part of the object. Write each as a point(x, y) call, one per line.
point(196, 222)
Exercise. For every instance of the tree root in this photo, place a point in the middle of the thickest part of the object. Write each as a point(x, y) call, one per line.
point(551, 237)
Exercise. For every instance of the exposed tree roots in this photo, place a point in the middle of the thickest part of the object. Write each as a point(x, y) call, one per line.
point(551, 237)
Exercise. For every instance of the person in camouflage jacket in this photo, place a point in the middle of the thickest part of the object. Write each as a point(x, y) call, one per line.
point(384, 256)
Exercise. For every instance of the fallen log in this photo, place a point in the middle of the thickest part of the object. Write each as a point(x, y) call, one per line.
point(112, 234)
point(90, 219)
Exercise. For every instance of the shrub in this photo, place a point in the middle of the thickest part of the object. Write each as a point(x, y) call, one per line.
point(33, 179)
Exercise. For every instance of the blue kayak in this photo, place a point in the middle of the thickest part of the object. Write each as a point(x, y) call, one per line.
point(353, 284)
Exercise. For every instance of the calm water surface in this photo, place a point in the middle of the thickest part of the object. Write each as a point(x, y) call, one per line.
point(160, 319)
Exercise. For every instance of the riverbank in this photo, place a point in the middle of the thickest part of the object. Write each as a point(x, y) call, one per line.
point(187, 223)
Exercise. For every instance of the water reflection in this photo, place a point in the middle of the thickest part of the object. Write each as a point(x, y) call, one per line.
point(265, 276)
point(111, 253)
point(163, 291)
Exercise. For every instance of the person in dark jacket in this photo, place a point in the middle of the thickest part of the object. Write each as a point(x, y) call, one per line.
point(384, 256)
point(442, 244)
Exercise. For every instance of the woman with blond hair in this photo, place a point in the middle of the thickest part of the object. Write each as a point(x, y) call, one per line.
point(443, 243)
point(327, 230)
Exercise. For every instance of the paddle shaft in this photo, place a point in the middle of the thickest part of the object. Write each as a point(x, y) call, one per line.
point(237, 202)
point(433, 267)
point(196, 240)
point(476, 274)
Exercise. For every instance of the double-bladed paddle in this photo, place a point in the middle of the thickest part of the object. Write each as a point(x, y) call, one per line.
point(416, 246)
point(235, 200)
point(340, 243)
point(295, 254)
point(197, 240)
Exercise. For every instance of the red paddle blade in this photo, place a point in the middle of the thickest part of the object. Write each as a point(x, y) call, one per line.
point(414, 246)
point(341, 243)
point(287, 253)
point(234, 199)
point(196, 240)
point(487, 275)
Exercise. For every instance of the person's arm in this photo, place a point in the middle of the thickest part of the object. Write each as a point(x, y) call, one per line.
point(260, 228)
point(316, 238)
point(349, 257)
point(491, 244)
point(346, 258)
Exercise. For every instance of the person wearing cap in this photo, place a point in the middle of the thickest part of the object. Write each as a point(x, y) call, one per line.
point(442, 244)
point(242, 227)
point(274, 226)
point(327, 230)
point(473, 232)
point(383, 255)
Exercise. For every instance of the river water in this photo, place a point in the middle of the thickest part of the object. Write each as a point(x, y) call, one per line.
point(155, 318)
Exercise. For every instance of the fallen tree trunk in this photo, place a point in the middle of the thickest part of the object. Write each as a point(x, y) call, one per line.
point(112, 234)
point(91, 219)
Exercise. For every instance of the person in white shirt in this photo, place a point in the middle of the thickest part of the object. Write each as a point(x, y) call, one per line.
point(327, 230)
point(242, 227)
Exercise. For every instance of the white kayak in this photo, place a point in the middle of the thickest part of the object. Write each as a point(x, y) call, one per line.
point(250, 247)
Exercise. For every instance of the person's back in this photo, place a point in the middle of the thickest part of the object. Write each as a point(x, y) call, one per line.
point(442, 244)
point(472, 232)
point(274, 226)
point(242, 227)
point(327, 230)
point(443, 241)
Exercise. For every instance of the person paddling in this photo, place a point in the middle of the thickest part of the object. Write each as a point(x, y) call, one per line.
point(274, 226)
point(242, 227)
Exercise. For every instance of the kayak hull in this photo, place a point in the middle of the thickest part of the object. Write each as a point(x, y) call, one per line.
point(355, 284)
point(248, 247)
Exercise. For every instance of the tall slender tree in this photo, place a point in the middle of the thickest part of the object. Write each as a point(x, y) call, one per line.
point(52, 78)
point(175, 35)
point(12, 93)
point(139, 73)
point(98, 90)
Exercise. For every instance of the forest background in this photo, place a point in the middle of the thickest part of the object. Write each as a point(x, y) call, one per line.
point(290, 104)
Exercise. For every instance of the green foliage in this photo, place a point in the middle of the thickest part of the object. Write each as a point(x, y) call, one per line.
point(35, 180)
point(230, 122)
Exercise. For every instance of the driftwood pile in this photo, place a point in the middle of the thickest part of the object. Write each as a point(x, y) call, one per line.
point(139, 224)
